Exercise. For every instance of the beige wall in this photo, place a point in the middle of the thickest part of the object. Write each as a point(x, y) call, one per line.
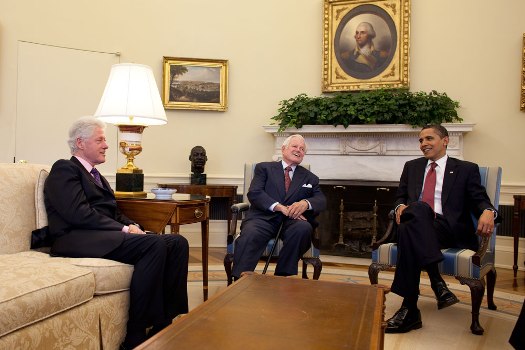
point(470, 49)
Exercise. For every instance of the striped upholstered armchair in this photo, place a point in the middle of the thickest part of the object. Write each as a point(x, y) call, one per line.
point(467, 266)
point(310, 257)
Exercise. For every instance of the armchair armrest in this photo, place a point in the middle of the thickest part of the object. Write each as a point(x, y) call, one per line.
point(483, 246)
point(386, 237)
point(237, 210)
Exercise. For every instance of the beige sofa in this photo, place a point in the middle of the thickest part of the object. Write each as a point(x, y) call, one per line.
point(49, 302)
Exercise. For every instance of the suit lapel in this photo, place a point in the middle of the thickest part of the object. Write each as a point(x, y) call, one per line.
point(449, 177)
point(278, 175)
point(420, 175)
point(90, 177)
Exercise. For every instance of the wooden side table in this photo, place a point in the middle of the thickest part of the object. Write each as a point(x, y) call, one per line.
point(221, 191)
point(155, 214)
point(519, 209)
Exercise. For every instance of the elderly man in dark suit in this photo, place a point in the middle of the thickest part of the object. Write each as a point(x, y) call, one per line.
point(84, 221)
point(281, 193)
point(435, 199)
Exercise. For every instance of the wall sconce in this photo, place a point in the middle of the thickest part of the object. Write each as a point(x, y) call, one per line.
point(131, 100)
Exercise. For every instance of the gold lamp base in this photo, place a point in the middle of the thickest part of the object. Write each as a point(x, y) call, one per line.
point(122, 194)
point(130, 178)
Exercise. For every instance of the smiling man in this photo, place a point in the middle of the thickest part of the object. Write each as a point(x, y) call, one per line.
point(280, 193)
point(84, 221)
point(435, 199)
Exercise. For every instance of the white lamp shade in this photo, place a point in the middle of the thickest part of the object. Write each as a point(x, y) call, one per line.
point(131, 97)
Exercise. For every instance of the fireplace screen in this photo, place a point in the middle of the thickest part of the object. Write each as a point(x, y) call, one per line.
point(355, 212)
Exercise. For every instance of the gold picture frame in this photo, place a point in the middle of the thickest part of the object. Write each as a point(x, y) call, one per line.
point(522, 101)
point(195, 83)
point(381, 60)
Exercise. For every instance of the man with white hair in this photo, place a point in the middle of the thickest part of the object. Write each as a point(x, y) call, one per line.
point(85, 222)
point(281, 193)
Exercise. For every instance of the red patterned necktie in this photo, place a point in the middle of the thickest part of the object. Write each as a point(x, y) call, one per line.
point(96, 175)
point(430, 186)
point(287, 179)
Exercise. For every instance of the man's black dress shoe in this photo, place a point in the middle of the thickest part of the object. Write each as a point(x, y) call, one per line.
point(404, 320)
point(444, 296)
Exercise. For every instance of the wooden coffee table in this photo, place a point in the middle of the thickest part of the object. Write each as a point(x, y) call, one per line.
point(268, 312)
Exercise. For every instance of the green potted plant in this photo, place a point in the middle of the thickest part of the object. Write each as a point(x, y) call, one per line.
point(394, 106)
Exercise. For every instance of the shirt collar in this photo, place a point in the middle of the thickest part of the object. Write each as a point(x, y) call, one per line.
point(285, 165)
point(441, 162)
point(85, 163)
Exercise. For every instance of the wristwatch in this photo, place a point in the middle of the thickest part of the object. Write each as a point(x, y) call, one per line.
point(493, 212)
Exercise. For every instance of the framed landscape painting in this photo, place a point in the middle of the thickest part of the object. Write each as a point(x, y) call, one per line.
point(365, 44)
point(195, 83)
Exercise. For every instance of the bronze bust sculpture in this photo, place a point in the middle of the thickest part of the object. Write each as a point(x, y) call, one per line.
point(198, 160)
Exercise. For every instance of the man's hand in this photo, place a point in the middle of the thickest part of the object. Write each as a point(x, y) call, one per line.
point(135, 229)
point(399, 211)
point(294, 211)
point(485, 224)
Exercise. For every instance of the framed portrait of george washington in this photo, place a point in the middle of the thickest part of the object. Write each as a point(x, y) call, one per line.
point(366, 44)
point(195, 83)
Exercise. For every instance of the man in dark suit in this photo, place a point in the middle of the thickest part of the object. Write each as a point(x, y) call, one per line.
point(273, 205)
point(435, 199)
point(84, 221)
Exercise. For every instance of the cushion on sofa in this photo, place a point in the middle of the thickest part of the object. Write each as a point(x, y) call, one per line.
point(40, 207)
point(34, 289)
point(17, 200)
point(110, 276)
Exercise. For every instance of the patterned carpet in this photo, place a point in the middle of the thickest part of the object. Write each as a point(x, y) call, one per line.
point(447, 328)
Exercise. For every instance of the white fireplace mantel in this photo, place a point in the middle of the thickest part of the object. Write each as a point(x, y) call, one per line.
point(374, 152)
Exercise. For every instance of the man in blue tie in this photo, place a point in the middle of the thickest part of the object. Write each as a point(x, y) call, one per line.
point(435, 199)
point(84, 221)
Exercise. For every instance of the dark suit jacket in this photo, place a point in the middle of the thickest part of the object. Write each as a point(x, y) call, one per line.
point(462, 196)
point(83, 217)
point(267, 187)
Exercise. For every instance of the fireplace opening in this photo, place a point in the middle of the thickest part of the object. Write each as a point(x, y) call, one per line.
point(355, 211)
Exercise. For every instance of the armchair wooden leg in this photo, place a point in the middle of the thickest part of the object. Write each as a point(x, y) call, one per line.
point(477, 290)
point(317, 265)
point(374, 269)
point(305, 274)
point(491, 283)
point(228, 262)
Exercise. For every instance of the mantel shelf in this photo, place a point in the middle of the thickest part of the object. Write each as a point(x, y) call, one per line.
point(371, 152)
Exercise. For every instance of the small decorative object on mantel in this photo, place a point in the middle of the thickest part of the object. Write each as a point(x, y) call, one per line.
point(393, 106)
point(198, 160)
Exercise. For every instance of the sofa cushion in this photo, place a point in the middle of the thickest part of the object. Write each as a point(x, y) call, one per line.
point(33, 289)
point(110, 276)
point(17, 200)
point(40, 207)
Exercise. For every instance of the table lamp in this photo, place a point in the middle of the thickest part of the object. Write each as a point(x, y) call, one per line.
point(131, 100)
